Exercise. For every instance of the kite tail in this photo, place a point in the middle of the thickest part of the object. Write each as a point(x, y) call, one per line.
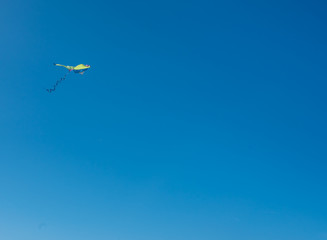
point(56, 84)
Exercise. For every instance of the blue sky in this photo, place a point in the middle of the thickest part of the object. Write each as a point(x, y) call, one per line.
point(197, 120)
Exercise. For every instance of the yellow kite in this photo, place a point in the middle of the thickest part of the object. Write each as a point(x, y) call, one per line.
point(81, 68)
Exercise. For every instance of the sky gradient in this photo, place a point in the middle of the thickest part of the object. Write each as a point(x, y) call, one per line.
point(197, 120)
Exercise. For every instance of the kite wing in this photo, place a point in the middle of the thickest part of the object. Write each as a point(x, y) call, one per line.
point(68, 67)
point(81, 68)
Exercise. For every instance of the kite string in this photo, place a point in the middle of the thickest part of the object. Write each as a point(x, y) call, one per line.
point(56, 84)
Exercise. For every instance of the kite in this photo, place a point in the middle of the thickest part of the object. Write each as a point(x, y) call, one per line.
point(81, 68)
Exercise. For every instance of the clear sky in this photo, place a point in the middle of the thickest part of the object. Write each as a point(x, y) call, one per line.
point(197, 120)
